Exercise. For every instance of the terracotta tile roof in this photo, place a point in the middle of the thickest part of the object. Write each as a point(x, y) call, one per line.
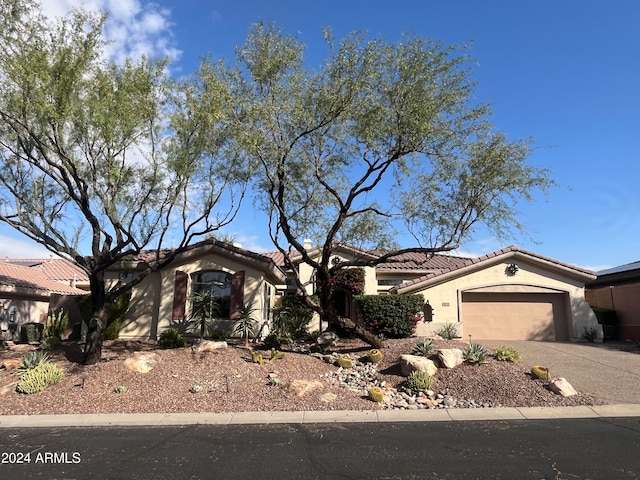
point(26, 277)
point(58, 269)
point(505, 252)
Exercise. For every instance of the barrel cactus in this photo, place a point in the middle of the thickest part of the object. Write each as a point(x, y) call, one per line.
point(541, 373)
point(344, 362)
point(376, 394)
point(374, 356)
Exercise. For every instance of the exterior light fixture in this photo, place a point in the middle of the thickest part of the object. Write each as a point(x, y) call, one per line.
point(511, 269)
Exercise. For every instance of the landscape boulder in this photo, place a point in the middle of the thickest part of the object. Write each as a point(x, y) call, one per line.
point(142, 362)
point(300, 388)
point(450, 357)
point(560, 386)
point(209, 346)
point(11, 364)
point(410, 363)
point(327, 339)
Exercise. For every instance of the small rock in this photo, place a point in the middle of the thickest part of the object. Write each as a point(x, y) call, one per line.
point(8, 388)
point(327, 339)
point(209, 346)
point(299, 388)
point(11, 364)
point(560, 386)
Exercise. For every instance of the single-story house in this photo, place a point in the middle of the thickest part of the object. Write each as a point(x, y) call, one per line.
point(30, 288)
point(618, 288)
point(510, 294)
point(233, 275)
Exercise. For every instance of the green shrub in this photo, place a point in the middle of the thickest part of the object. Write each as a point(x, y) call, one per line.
point(418, 380)
point(50, 343)
point(39, 378)
point(424, 348)
point(272, 340)
point(217, 334)
point(172, 338)
point(292, 317)
point(507, 354)
point(31, 332)
point(590, 334)
point(475, 353)
point(449, 331)
point(393, 316)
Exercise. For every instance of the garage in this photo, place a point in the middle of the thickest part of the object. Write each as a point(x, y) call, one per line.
point(514, 316)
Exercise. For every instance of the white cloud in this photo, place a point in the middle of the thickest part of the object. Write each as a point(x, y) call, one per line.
point(21, 248)
point(134, 27)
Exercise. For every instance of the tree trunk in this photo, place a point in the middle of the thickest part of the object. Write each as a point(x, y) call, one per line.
point(98, 322)
point(330, 315)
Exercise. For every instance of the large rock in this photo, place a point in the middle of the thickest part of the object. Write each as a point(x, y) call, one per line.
point(299, 388)
point(560, 386)
point(209, 346)
point(142, 362)
point(450, 357)
point(11, 364)
point(410, 363)
point(327, 339)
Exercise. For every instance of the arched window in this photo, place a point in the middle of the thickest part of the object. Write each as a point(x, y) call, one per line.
point(217, 285)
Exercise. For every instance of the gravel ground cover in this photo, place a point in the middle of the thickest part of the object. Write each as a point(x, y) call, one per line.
point(230, 382)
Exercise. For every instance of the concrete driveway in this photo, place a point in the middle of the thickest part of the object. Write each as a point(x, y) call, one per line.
point(610, 371)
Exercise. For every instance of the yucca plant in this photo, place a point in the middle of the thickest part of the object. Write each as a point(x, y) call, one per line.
point(246, 323)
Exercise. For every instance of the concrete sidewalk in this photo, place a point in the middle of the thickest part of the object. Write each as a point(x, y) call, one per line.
point(375, 416)
point(609, 371)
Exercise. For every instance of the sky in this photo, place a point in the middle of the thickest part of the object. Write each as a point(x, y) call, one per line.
point(564, 74)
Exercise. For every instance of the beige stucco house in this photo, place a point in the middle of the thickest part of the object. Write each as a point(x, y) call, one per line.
point(510, 294)
point(30, 288)
point(233, 275)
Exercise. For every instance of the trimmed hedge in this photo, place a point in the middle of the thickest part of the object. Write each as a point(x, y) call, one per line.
point(394, 316)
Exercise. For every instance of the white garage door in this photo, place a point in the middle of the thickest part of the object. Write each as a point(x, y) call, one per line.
point(514, 316)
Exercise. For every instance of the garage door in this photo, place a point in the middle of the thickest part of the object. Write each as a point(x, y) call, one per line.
point(514, 316)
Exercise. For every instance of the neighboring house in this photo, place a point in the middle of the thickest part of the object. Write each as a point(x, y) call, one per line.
point(618, 288)
point(510, 294)
point(233, 275)
point(30, 288)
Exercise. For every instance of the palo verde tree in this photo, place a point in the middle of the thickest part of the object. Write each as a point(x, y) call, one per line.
point(100, 161)
point(382, 137)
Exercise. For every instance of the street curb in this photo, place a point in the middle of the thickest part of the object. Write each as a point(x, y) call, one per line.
point(315, 417)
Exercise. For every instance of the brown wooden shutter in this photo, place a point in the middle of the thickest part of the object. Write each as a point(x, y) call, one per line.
point(180, 296)
point(237, 293)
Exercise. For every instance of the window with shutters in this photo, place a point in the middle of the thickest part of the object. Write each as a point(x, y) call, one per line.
point(215, 285)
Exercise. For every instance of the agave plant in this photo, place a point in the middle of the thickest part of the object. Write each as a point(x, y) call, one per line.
point(475, 353)
point(423, 348)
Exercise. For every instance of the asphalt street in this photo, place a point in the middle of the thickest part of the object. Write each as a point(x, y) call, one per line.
point(588, 448)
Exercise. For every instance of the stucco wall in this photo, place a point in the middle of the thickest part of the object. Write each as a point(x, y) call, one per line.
point(446, 299)
point(151, 306)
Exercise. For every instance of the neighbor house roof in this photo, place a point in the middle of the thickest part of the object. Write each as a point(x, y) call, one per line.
point(473, 264)
point(629, 272)
point(33, 280)
point(56, 269)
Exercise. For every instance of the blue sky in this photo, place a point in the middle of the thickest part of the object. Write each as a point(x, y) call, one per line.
point(564, 73)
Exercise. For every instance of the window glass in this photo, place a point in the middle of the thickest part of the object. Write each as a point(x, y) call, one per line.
point(218, 286)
